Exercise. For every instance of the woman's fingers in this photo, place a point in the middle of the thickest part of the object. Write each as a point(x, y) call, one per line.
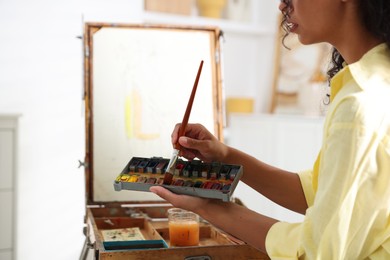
point(181, 201)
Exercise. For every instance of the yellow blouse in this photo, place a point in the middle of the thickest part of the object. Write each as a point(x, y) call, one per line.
point(348, 190)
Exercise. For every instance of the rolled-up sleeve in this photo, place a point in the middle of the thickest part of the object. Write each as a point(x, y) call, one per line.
point(282, 241)
point(307, 186)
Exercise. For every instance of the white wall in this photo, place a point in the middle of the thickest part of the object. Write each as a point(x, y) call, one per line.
point(290, 142)
point(248, 68)
point(41, 78)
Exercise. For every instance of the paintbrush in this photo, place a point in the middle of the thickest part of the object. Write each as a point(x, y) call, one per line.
point(176, 147)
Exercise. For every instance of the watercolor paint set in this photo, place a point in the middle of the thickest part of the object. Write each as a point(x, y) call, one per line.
point(209, 180)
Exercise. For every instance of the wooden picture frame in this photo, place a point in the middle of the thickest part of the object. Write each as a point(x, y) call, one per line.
point(138, 79)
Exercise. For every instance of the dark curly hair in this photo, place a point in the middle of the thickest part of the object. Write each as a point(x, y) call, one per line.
point(375, 17)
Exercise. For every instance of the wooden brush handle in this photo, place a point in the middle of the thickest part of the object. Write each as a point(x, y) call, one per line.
point(189, 106)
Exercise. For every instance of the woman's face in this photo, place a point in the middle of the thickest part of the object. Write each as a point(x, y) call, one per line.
point(315, 21)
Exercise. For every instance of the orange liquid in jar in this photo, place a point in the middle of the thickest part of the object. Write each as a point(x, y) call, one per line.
point(184, 233)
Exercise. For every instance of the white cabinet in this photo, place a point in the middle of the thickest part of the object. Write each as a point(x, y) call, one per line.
point(285, 141)
point(8, 135)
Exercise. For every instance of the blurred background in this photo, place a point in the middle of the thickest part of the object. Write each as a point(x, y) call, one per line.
point(42, 131)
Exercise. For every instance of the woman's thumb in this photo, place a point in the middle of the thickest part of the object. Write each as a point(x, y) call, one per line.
point(189, 142)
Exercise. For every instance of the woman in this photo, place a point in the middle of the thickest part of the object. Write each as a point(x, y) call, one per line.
point(346, 196)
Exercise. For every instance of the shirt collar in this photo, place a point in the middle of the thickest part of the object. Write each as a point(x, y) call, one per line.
point(375, 62)
point(339, 80)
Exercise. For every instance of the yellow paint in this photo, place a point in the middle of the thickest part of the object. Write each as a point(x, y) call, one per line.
point(133, 118)
point(124, 177)
point(133, 178)
point(128, 117)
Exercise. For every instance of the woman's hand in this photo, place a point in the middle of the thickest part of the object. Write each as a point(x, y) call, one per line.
point(200, 143)
point(237, 220)
point(186, 202)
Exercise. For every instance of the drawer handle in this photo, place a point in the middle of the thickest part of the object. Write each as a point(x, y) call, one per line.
point(199, 257)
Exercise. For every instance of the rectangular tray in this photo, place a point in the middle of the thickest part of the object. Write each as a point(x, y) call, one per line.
point(213, 243)
point(208, 180)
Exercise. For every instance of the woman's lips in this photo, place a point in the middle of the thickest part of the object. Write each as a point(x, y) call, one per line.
point(292, 26)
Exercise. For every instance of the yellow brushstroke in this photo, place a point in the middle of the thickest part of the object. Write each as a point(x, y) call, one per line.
point(128, 117)
point(133, 118)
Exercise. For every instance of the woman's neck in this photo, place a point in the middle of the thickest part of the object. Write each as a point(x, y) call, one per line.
point(353, 40)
